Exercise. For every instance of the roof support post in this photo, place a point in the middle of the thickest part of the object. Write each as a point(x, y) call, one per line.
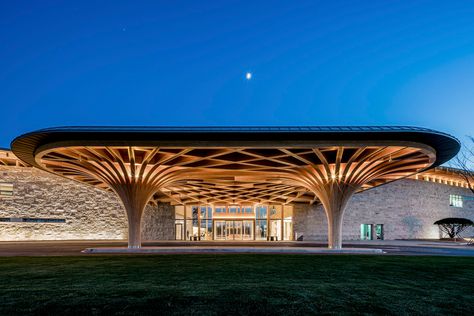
point(134, 197)
point(334, 198)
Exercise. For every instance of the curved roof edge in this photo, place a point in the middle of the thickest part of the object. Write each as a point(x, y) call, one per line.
point(24, 146)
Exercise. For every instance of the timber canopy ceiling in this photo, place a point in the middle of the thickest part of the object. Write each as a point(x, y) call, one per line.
point(7, 158)
point(234, 165)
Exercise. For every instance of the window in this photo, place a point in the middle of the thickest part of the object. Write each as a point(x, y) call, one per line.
point(379, 231)
point(179, 222)
point(455, 200)
point(248, 210)
point(261, 212)
point(366, 231)
point(6, 189)
point(234, 209)
point(206, 212)
point(220, 209)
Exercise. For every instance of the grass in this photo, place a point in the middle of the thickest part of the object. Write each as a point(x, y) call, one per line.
point(236, 284)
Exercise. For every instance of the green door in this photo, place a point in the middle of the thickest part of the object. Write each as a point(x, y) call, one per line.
point(366, 231)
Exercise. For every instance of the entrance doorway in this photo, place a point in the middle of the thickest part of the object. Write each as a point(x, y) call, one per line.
point(366, 231)
point(178, 228)
point(234, 230)
point(371, 231)
point(379, 231)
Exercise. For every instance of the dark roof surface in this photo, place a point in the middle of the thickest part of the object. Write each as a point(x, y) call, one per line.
point(235, 128)
point(25, 146)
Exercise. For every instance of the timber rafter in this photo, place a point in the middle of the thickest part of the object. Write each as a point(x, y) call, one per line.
point(236, 174)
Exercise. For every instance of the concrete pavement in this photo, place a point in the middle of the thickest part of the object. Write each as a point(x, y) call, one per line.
point(389, 247)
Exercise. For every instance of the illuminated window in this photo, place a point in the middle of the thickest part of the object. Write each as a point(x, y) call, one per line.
point(455, 200)
point(206, 212)
point(179, 222)
point(220, 209)
point(234, 209)
point(366, 231)
point(6, 189)
point(261, 212)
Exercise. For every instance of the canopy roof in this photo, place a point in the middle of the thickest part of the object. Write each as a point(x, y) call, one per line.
point(235, 164)
point(24, 146)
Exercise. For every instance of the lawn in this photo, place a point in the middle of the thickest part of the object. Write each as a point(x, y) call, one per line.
point(236, 284)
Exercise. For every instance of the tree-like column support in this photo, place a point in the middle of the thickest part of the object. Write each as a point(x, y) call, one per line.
point(334, 198)
point(134, 197)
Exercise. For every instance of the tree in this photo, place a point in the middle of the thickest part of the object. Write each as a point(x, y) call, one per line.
point(453, 226)
point(464, 161)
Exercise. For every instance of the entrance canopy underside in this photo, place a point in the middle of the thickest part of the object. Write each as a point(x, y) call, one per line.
point(240, 165)
point(235, 175)
point(234, 164)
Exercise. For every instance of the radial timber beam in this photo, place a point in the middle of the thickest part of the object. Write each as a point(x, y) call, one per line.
point(184, 175)
point(347, 170)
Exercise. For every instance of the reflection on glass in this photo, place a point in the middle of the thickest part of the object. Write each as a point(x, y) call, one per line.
point(247, 230)
point(287, 222)
point(234, 209)
point(220, 209)
point(234, 222)
point(261, 229)
point(206, 229)
point(366, 231)
point(287, 229)
point(275, 229)
point(191, 231)
point(206, 212)
point(379, 231)
point(179, 222)
point(195, 215)
point(178, 229)
point(261, 212)
point(220, 230)
point(234, 230)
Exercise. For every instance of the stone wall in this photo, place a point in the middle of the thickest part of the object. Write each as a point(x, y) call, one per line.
point(158, 222)
point(90, 213)
point(407, 209)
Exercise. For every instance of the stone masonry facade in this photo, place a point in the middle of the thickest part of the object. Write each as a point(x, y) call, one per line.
point(407, 209)
point(89, 213)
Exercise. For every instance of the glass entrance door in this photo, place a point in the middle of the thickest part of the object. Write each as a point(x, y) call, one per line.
point(366, 231)
point(178, 228)
point(247, 230)
point(220, 229)
point(233, 230)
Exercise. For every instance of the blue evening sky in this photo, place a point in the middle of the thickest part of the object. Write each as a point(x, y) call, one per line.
point(184, 63)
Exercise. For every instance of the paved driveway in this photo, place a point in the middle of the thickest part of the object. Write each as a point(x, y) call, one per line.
point(74, 248)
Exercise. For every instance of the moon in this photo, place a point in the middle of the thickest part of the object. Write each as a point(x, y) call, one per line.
point(248, 75)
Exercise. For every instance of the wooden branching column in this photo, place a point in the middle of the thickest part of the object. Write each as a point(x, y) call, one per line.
point(344, 171)
point(185, 175)
point(134, 197)
point(133, 174)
